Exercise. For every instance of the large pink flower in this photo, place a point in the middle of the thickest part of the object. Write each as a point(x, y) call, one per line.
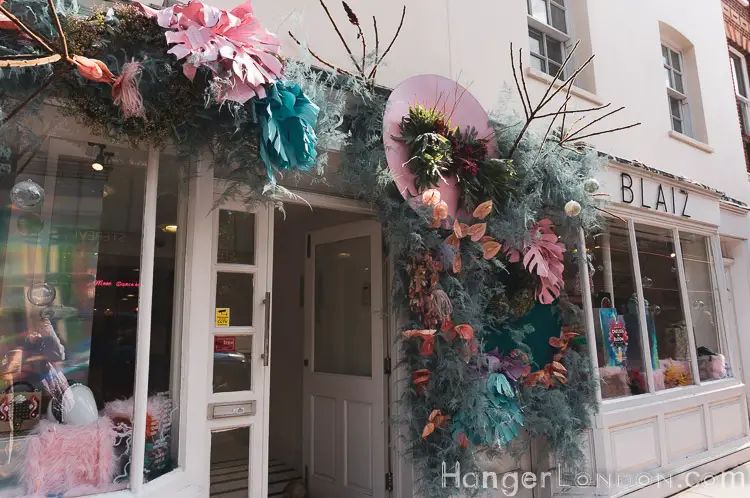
point(232, 44)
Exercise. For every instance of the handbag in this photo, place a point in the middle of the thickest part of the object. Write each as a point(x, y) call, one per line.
point(20, 409)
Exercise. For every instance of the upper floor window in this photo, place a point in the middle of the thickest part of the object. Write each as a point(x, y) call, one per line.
point(678, 100)
point(548, 34)
point(739, 75)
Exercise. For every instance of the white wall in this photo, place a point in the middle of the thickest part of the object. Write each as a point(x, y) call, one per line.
point(470, 40)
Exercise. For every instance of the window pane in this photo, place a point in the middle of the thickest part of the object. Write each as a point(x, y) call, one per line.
point(236, 237)
point(668, 77)
point(234, 299)
point(343, 316)
point(537, 63)
point(553, 69)
point(704, 312)
point(558, 18)
point(678, 83)
point(616, 319)
point(739, 75)
point(675, 107)
point(538, 10)
point(667, 331)
point(233, 363)
point(554, 50)
point(676, 62)
point(665, 55)
point(677, 125)
point(536, 42)
point(230, 458)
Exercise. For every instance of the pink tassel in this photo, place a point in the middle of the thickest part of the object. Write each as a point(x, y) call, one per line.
point(126, 93)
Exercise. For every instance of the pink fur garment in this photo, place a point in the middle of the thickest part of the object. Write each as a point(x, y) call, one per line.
point(71, 459)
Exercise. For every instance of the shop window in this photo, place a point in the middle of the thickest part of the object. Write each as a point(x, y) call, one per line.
point(71, 240)
point(620, 354)
point(655, 309)
point(703, 306)
point(664, 310)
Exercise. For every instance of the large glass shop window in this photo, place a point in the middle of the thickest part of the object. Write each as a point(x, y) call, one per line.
point(71, 216)
point(670, 288)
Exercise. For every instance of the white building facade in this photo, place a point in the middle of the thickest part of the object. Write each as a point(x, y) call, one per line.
point(221, 322)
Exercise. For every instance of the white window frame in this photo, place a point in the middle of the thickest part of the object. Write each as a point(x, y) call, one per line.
point(743, 100)
point(549, 33)
point(720, 299)
point(674, 94)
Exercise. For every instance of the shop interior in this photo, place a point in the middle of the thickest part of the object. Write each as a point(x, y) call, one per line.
point(68, 311)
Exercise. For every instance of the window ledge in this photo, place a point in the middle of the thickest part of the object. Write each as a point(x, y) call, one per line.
point(691, 141)
point(578, 92)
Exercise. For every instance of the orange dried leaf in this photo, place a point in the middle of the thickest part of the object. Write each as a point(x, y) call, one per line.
point(457, 263)
point(477, 231)
point(490, 249)
point(420, 333)
point(461, 230)
point(486, 238)
point(556, 342)
point(453, 241)
point(428, 429)
point(434, 414)
point(431, 197)
point(465, 332)
point(558, 367)
point(441, 210)
point(483, 210)
point(462, 440)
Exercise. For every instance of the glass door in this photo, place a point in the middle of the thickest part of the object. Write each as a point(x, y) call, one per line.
point(239, 349)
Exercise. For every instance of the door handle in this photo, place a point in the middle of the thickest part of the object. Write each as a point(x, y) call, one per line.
point(267, 331)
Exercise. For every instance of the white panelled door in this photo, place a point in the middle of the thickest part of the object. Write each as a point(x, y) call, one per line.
point(344, 382)
point(239, 350)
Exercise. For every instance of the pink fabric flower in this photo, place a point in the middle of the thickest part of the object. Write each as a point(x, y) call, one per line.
point(232, 44)
point(543, 256)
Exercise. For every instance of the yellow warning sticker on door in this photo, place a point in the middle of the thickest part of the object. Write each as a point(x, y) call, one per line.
point(222, 317)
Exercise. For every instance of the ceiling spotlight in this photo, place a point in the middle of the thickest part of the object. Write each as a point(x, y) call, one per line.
point(170, 228)
point(97, 166)
point(102, 158)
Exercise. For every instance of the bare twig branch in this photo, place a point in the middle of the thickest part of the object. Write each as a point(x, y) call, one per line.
point(398, 32)
point(19, 61)
point(523, 77)
point(612, 130)
point(318, 58)
point(560, 71)
point(572, 136)
point(567, 99)
point(573, 111)
point(341, 37)
point(54, 76)
point(518, 84)
point(26, 30)
point(567, 82)
point(60, 31)
point(377, 45)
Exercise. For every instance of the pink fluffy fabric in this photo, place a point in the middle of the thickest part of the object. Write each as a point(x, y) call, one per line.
point(74, 460)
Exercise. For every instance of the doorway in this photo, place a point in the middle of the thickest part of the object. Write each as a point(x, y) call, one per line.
point(327, 387)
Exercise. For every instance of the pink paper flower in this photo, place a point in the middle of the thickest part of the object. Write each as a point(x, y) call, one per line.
point(234, 45)
point(543, 255)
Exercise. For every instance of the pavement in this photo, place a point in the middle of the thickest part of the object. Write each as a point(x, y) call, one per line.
point(733, 483)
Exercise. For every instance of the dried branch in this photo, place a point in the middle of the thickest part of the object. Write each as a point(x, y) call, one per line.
point(26, 30)
point(341, 37)
point(398, 32)
point(518, 84)
point(354, 20)
point(573, 111)
point(54, 76)
point(60, 31)
point(571, 136)
point(377, 37)
point(19, 61)
point(523, 79)
point(611, 130)
point(318, 58)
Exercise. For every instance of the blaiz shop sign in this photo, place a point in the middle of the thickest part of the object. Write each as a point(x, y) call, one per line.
point(663, 199)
